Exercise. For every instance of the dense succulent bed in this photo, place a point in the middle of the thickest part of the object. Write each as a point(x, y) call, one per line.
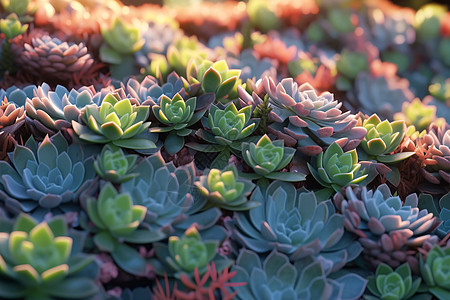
point(250, 150)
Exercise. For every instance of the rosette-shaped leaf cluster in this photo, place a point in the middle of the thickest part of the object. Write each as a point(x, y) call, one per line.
point(183, 51)
point(51, 57)
point(417, 113)
point(334, 169)
point(435, 272)
point(277, 278)
point(57, 109)
point(10, 114)
point(163, 189)
point(309, 120)
point(12, 27)
point(390, 284)
point(183, 255)
point(293, 222)
point(382, 138)
point(267, 158)
point(389, 231)
point(216, 78)
point(117, 121)
point(437, 141)
point(114, 165)
point(116, 218)
point(176, 114)
point(45, 176)
point(226, 190)
point(38, 261)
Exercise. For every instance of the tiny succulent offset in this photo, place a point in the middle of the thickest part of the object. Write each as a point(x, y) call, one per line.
point(261, 149)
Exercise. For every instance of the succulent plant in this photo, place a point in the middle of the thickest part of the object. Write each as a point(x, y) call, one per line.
point(176, 114)
point(116, 220)
point(440, 207)
point(17, 95)
point(183, 255)
point(416, 113)
point(262, 16)
point(226, 129)
point(334, 169)
point(9, 114)
point(12, 27)
point(390, 284)
point(114, 165)
point(57, 109)
point(277, 278)
point(50, 57)
point(350, 64)
point(309, 120)
point(164, 190)
point(427, 21)
point(225, 189)
point(439, 88)
point(389, 231)
point(215, 78)
point(309, 228)
point(185, 50)
point(116, 120)
point(267, 158)
point(41, 261)
point(19, 7)
point(45, 176)
point(435, 272)
point(121, 42)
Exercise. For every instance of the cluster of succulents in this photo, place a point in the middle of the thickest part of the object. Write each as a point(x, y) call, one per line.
point(238, 150)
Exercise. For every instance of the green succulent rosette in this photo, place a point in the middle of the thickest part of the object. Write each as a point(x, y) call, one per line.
point(390, 284)
point(215, 78)
point(182, 255)
point(114, 165)
point(435, 270)
point(38, 261)
point(12, 27)
point(226, 190)
point(116, 220)
point(115, 121)
point(267, 158)
point(176, 115)
point(334, 169)
point(382, 138)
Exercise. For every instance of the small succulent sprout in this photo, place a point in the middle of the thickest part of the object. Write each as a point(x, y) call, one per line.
point(115, 121)
point(417, 113)
point(390, 284)
point(176, 114)
point(267, 158)
point(435, 272)
point(334, 169)
point(226, 190)
point(11, 26)
point(383, 138)
point(277, 278)
point(38, 261)
point(114, 165)
point(309, 227)
point(46, 176)
point(116, 219)
point(122, 38)
point(182, 255)
point(216, 78)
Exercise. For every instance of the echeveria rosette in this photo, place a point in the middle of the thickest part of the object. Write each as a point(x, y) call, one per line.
point(182, 255)
point(45, 176)
point(12, 27)
point(437, 141)
point(114, 165)
point(10, 115)
point(164, 190)
point(116, 220)
point(267, 158)
point(390, 284)
point(225, 130)
point(216, 78)
point(40, 261)
point(277, 278)
point(176, 115)
point(226, 189)
point(295, 223)
point(436, 273)
point(334, 169)
point(115, 121)
point(311, 121)
point(390, 231)
point(57, 109)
